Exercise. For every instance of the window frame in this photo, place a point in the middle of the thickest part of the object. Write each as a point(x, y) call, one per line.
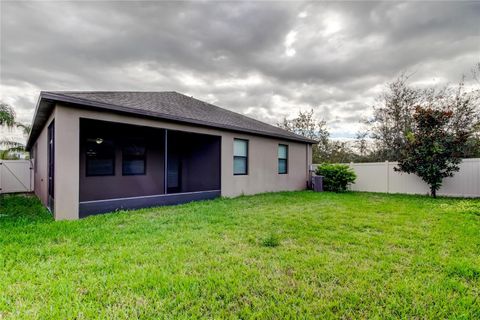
point(241, 157)
point(144, 159)
point(279, 159)
point(114, 156)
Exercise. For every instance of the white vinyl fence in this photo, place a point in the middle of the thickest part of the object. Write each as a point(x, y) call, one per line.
point(381, 177)
point(16, 176)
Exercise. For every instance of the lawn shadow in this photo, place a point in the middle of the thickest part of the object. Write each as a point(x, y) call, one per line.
point(22, 209)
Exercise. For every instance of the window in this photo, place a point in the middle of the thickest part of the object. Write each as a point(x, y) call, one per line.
point(100, 155)
point(282, 159)
point(240, 157)
point(133, 159)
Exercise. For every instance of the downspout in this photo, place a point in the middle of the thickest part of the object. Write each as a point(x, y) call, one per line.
point(307, 165)
point(165, 163)
point(32, 175)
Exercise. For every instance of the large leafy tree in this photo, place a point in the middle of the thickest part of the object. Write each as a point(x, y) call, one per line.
point(7, 115)
point(433, 146)
point(393, 115)
point(8, 120)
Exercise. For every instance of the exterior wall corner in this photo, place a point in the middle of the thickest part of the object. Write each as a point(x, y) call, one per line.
point(67, 148)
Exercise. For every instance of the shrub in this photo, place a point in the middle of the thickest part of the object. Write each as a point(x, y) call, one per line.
point(336, 177)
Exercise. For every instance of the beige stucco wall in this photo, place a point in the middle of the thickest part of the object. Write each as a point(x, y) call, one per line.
point(67, 163)
point(262, 177)
point(263, 166)
point(41, 169)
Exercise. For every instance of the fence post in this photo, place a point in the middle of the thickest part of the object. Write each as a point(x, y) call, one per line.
point(388, 176)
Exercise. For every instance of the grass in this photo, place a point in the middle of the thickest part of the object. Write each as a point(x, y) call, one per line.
point(271, 256)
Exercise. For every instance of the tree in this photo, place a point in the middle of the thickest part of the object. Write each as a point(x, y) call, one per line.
point(361, 143)
point(472, 147)
point(433, 149)
point(338, 152)
point(364, 149)
point(327, 150)
point(393, 115)
point(7, 115)
point(7, 119)
point(306, 125)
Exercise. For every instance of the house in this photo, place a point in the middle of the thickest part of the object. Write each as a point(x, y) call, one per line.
point(97, 152)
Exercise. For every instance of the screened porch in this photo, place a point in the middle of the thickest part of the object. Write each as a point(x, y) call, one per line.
point(125, 166)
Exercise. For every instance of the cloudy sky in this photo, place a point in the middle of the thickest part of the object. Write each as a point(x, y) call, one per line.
point(266, 60)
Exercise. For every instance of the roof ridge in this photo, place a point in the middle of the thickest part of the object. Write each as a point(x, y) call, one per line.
point(250, 118)
point(169, 105)
point(100, 91)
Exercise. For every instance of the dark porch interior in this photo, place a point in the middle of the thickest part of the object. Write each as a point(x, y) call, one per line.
point(193, 162)
point(119, 162)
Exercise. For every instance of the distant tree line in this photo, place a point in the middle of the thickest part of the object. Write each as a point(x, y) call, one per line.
point(427, 130)
point(394, 119)
point(327, 150)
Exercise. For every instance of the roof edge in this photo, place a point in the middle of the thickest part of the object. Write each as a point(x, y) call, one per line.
point(59, 97)
point(28, 145)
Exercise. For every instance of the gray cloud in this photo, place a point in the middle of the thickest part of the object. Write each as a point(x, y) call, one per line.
point(264, 59)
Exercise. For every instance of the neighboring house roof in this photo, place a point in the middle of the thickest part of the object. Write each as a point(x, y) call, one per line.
point(162, 105)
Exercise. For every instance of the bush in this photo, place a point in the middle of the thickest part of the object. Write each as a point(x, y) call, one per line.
point(336, 177)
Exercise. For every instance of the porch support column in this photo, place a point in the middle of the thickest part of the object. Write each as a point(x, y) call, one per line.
point(67, 163)
point(165, 163)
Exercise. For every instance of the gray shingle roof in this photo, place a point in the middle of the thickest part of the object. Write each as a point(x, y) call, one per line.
point(166, 105)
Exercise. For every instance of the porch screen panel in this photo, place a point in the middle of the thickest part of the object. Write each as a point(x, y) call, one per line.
point(134, 158)
point(100, 157)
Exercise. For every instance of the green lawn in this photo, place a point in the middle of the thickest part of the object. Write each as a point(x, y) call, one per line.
point(271, 256)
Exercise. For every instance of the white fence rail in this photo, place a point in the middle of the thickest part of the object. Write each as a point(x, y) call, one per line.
point(16, 176)
point(381, 177)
